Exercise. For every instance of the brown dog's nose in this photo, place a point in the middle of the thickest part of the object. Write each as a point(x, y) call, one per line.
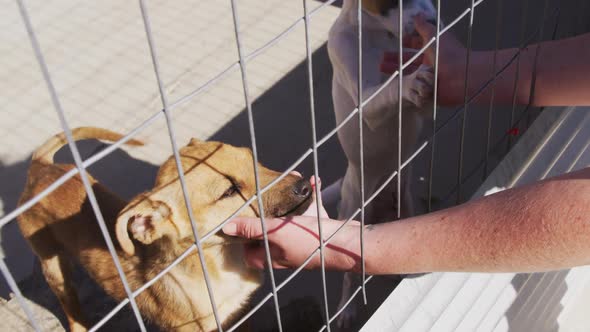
point(302, 188)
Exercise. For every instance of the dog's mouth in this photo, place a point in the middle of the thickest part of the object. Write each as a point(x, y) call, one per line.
point(297, 209)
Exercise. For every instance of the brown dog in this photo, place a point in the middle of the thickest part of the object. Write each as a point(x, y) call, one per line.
point(153, 229)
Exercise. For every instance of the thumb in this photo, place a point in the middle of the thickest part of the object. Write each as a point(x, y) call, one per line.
point(425, 30)
point(249, 228)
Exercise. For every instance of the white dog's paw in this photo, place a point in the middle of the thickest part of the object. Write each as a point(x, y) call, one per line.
point(418, 86)
point(347, 317)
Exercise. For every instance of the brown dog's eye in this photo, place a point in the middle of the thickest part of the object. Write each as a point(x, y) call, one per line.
point(230, 191)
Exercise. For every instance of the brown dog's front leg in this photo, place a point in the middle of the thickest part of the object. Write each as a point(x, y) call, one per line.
point(58, 275)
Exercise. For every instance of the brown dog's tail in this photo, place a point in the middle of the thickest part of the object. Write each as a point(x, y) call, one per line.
point(45, 153)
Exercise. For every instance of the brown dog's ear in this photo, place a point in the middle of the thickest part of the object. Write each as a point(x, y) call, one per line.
point(142, 221)
point(195, 141)
point(123, 235)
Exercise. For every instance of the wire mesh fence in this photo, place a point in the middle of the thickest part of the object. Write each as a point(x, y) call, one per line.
point(169, 105)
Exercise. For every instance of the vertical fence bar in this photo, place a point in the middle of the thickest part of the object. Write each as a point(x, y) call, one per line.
point(537, 53)
point(169, 125)
point(517, 177)
point(19, 296)
point(359, 16)
point(400, 108)
point(550, 166)
point(517, 73)
point(583, 19)
point(465, 104)
point(78, 161)
point(535, 62)
point(543, 176)
point(434, 106)
point(255, 161)
point(499, 10)
point(315, 161)
point(512, 183)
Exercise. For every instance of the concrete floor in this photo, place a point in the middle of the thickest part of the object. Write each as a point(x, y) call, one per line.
point(98, 57)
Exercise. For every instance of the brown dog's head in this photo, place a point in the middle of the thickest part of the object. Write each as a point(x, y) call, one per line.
point(219, 179)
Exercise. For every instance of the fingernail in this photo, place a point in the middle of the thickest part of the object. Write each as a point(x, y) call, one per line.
point(230, 229)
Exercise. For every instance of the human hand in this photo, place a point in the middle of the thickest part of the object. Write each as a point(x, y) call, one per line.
point(312, 210)
point(451, 61)
point(293, 239)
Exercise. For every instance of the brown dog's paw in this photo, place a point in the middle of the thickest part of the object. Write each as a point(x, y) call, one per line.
point(145, 227)
point(146, 222)
point(142, 229)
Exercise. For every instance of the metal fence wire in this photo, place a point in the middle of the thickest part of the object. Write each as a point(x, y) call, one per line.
point(241, 64)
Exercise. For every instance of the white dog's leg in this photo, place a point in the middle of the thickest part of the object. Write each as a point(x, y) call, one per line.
point(349, 314)
point(418, 87)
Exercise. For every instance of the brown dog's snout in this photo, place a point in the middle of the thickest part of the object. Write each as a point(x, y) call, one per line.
point(302, 188)
point(292, 196)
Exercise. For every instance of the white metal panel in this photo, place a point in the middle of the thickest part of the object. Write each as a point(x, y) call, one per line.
point(462, 302)
point(485, 301)
point(574, 316)
point(556, 141)
point(438, 298)
point(402, 302)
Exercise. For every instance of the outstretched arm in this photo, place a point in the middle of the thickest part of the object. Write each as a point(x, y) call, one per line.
point(543, 226)
point(539, 227)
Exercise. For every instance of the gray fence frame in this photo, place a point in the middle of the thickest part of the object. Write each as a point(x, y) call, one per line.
point(241, 63)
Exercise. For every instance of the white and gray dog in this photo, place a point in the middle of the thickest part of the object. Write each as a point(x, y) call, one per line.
point(380, 26)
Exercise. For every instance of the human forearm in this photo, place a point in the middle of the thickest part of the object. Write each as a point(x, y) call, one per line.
point(544, 226)
point(562, 73)
point(504, 89)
